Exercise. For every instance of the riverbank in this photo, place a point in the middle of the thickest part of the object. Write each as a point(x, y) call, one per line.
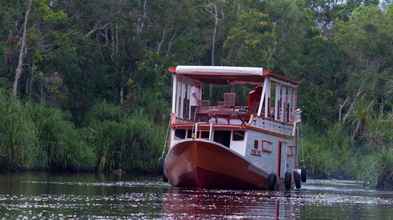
point(332, 154)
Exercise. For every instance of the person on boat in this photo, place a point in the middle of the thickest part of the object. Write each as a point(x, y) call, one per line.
point(253, 99)
point(195, 99)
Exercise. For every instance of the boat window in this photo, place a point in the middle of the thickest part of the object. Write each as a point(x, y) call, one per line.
point(180, 133)
point(205, 134)
point(222, 137)
point(255, 144)
point(238, 135)
point(189, 133)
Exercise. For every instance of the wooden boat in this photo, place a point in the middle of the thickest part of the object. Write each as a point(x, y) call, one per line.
point(230, 144)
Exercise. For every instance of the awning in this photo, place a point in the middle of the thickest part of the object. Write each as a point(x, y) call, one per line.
point(226, 74)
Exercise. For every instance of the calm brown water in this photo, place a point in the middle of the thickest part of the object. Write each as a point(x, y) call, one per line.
point(44, 196)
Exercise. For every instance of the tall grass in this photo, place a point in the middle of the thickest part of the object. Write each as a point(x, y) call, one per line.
point(332, 153)
point(61, 146)
point(327, 153)
point(18, 134)
point(128, 141)
point(35, 136)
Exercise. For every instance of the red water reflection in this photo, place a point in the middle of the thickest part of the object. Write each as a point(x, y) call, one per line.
point(218, 204)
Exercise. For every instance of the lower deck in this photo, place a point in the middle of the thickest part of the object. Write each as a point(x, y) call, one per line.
point(272, 153)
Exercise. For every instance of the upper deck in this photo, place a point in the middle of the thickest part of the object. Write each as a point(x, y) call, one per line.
point(270, 102)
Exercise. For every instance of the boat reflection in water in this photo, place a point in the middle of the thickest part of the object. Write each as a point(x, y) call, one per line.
point(217, 204)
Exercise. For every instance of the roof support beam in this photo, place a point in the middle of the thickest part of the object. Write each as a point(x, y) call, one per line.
point(265, 83)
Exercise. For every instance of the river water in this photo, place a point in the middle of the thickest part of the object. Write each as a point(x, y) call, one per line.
point(87, 196)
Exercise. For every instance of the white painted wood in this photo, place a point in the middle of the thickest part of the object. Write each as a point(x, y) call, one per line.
point(210, 131)
point(174, 95)
point(262, 97)
point(267, 96)
point(283, 83)
point(239, 146)
point(189, 99)
point(284, 94)
point(183, 95)
point(178, 97)
point(219, 70)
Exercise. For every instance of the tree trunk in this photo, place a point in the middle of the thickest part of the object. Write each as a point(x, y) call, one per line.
point(163, 35)
point(121, 95)
point(213, 49)
point(214, 13)
point(141, 19)
point(19, 68)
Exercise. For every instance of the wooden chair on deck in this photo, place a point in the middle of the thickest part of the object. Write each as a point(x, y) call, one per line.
point(229, 99)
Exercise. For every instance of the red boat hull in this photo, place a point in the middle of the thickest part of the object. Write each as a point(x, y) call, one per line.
point(204, 164)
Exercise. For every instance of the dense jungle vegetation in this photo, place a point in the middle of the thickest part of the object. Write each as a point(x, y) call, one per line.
point(83, 84)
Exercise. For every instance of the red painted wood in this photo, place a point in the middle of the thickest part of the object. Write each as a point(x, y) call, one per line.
point(204, 164)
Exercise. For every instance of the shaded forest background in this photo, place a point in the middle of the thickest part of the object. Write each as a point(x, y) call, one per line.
point(84, 84)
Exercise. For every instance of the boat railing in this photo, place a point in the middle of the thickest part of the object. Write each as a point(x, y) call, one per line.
point(272, 125)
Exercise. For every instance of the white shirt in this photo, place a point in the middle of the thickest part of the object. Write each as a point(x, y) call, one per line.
point(195, 96)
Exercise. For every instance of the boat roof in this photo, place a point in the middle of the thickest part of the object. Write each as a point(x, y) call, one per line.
point(228, 74)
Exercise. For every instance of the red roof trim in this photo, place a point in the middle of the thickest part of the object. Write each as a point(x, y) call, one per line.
point(172, 69)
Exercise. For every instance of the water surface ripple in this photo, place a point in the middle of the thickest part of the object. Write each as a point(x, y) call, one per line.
point(85, 196)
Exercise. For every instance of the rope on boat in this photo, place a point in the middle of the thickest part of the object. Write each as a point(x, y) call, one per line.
point(166, 142)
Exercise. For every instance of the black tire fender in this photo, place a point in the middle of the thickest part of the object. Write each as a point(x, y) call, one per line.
point(303, 174)
point(272, 180)
point(297, 179)
point(288, 180)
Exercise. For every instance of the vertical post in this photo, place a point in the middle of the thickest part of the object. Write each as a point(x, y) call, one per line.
point(265, 82)
point(285, 158)
point(189, 96)
point(289, 103)
point(211, 132)
point(267, 96)
point(174, 97)
point(182, 98)
point(278, 96)
point(196, 130)
point(283, 98)
point(294, 103)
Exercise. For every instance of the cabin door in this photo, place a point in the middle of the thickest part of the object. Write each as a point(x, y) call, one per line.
point(281, 159)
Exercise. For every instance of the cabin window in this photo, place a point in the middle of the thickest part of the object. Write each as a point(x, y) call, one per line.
point(180, 133)
point(222, 137)
point(189, 133)
point(267, 146)
point(238, 135)
point(205, 135)
point(255, 144)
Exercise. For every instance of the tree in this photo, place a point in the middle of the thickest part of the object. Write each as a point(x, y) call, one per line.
point(19, 68)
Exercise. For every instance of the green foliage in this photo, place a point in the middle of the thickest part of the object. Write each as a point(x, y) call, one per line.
point(131, 142)
point(328, 154)
point(18, 139)
point(39, 137)
point(61, 145)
